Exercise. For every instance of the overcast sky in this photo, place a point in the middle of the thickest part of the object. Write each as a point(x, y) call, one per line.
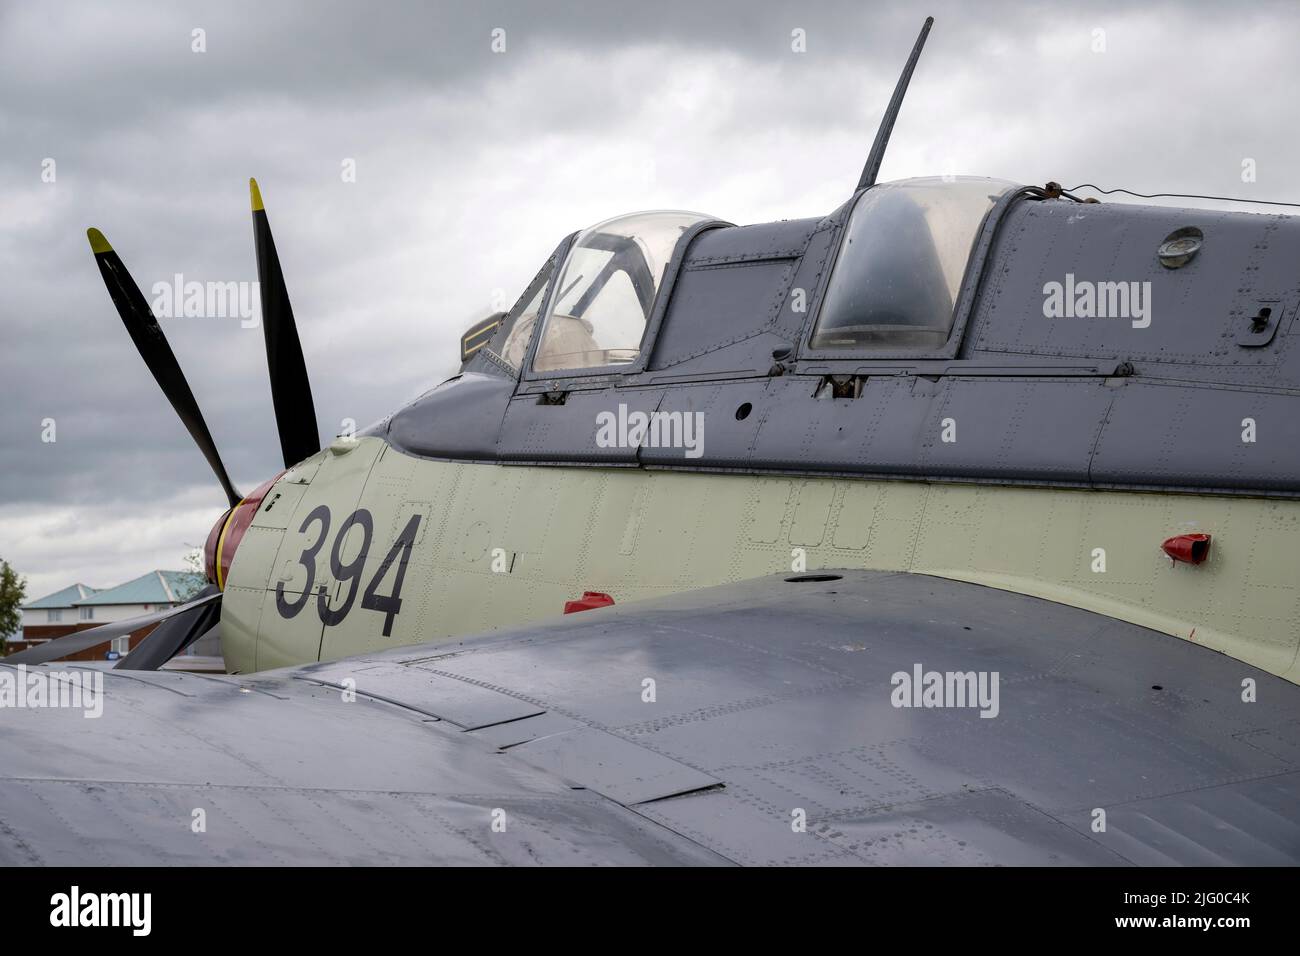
point(472, 164)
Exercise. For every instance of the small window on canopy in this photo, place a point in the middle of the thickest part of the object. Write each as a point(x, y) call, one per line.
point(900, 266)
point(606, 290)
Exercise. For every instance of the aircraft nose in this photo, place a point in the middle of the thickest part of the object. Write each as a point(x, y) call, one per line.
point(223, 540)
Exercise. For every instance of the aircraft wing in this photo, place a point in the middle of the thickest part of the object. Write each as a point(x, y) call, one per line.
point(752, 723)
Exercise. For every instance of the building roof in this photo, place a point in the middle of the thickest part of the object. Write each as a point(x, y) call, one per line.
point(65, 598)
point(156, 587)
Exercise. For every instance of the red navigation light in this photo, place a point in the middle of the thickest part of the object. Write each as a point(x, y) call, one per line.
point(1192, 548)
point(588, 601)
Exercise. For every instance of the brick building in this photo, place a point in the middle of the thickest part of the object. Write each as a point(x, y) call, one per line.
point(78, 607)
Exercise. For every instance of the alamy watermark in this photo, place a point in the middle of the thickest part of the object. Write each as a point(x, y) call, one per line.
point(206, 300)
point(922, 688)
point(1083, 299)
point(22, 689)
point(626, 429)
point(75, 908)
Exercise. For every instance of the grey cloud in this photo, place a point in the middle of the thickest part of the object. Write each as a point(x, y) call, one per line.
point(472, 165)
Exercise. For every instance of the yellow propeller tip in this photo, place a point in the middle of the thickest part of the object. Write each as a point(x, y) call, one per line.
point(256, 194)
point(98, 243)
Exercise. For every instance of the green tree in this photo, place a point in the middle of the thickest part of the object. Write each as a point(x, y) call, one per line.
point(13, 590)
point(194, 579)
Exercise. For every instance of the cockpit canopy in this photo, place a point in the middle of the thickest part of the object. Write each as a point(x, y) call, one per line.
point(604, 294)
point(894, 285)
point(901, 263)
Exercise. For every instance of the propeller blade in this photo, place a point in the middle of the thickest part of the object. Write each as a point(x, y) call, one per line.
point(84, 640)
point(872, 169)
point(157, 354)
point(295, 415)
point(174, 634)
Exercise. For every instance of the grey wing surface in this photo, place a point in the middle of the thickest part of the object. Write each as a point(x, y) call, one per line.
point(752, 723)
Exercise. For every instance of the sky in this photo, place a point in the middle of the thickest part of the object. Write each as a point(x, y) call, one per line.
point(419, 162)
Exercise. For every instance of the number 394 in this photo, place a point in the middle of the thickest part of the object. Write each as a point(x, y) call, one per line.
point(349, 574)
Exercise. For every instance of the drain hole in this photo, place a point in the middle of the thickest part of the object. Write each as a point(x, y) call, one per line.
point(743, 412)
point(802, 578)
point(1156, 687)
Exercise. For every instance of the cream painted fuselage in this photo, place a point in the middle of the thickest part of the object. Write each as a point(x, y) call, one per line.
point(481, 546)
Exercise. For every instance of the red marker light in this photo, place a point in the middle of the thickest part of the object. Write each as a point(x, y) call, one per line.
point(1192, 548)
point(588, 601)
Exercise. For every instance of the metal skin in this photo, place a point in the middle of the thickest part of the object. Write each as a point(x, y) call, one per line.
point(638, 533)
point(769, 733)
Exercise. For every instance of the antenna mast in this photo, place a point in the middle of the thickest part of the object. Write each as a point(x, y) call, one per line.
point(872, 169)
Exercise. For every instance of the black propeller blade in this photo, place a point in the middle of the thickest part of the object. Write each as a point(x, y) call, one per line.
point(174, 634)
point(295, 415)
point(157, 354)
point(872, 169)
point(83, 640)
